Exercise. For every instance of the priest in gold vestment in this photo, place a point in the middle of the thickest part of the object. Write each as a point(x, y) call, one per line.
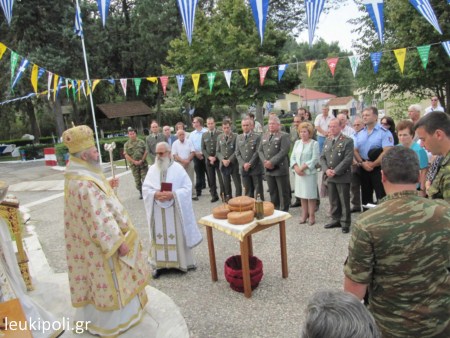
point(167, 192)
point(108, 270)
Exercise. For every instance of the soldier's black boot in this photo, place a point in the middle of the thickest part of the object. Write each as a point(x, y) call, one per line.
point(140, 194)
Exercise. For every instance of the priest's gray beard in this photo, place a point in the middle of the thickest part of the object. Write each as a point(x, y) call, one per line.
point(162, 163)
point(94, 163)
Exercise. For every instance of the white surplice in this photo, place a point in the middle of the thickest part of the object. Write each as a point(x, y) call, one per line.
point(172, 224)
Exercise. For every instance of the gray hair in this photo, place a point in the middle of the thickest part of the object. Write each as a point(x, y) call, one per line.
point(275, 118)
point(165, 144)
point(415, 107)
point(338, 314)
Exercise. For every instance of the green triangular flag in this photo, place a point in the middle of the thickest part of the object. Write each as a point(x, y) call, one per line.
point(67, 88)
point(14, 59)
point(137, 84)
point(211, 77)
point(424, 51)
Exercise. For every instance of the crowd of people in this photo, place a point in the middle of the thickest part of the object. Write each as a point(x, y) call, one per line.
point(397, 248)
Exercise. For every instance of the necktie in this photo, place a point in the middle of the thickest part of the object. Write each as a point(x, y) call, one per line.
point(332, 142)
point(270, 138)
point(226, 138)
point(212, 134)
point(246, 136)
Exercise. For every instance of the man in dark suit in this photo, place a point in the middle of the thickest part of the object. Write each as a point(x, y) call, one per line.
point(229, 167)
point(209, 145)
point(336, 161)
point(273, 153)
point(250, 166)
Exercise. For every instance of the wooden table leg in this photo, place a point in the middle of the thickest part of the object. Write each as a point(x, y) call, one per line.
point(245, 268)
point(250, 245)
point(212, 254)
point(284, 265)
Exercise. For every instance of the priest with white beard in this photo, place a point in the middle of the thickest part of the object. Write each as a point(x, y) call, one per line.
point(167, 191)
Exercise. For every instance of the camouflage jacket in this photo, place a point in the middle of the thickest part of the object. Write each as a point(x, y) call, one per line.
point(401, 248)
point(440, 187)
point(135, 149)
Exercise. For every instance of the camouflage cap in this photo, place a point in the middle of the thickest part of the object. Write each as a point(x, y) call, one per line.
point(78, 138)
point(131, 129)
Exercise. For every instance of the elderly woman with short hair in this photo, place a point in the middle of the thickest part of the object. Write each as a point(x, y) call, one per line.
point(304, 158)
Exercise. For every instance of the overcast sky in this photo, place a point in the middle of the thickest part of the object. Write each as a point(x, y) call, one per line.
point(334, 26)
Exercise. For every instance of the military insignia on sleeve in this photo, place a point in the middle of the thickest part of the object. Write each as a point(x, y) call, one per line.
point(390, 139)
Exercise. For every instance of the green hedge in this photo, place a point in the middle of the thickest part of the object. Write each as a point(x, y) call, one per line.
point(19, 142)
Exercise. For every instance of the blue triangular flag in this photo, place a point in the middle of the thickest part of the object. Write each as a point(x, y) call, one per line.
point(23, 66)
point(260, 9)
point(7, 6)
point(376, 58)
point(375, 10)
point(424, 8)
point(281, 69)
point(180, 81)
point(78, 29)
point(313, 10)
point(103, 8)
point(446, 45)
point(187, 10)
point(41, 72)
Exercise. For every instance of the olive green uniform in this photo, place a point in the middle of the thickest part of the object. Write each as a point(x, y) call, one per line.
point(209, 145)
point(226, 148)
point(440, 187)
point(150, 142)
point(136, 150)
point(401, 250)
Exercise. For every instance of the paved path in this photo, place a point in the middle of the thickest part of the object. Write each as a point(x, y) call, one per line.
point(315, 260)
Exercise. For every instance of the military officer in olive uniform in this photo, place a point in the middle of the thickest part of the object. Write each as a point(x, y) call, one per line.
point(273, 153)
point(336, 161)
point(209, 145)
point(229, 167)
point(136, 153)
point(152, 140)
point(250, 166)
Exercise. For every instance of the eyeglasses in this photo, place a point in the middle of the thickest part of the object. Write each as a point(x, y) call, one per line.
point(433, 99)
point(161, 153)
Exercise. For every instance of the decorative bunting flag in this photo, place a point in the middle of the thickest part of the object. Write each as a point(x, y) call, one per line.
point(376, 58)
point(123, 82)
point(313, 10)
point(74, 89)
point(211, 77)
point(49, 84)
point(94, 84)
point(78, 28)
point(41, 72)
point(227, 74)
point(79, 86)
point(14, 59)
point(55, 85)
point(153, 79)
point(244, 73)
point(112, 81)
point(187, 9)
point(260, 9)
point(137, 84)
point(375, 10)
point(67, 88)
point(164, 81)
point(180, 81)
point(354, 63)
point(262, 74)
point(281, 70)
point(424, 8)
point(7, 6)
point(60, 82)
point(424, 52)
point(309, 66)
point(34, 77)
point(446, 45)
point(88, 88)
point(22, 67)
point(400, 54)
point(332, 62)
point(2, 50)
point(195, 80)
point(103, 8)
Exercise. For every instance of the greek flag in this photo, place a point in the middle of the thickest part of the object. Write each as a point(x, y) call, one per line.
point(187, 9)
point(78, 23)
point(7, 6)
point(424, 8)
point(23, 66)
point(446, 45)
point(313, 10)
point(260, 9)
point(103, 8)
point(375, 10)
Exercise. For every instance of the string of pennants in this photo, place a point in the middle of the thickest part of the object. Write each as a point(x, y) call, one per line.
point(56, 82)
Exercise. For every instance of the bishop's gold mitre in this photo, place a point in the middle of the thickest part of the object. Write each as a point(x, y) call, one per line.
point(78, 138)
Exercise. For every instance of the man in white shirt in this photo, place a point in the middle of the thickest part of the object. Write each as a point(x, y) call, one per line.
point(183, 152)
point(199, 159)
point(347, 130)
point(321, 124)
point(435, 106)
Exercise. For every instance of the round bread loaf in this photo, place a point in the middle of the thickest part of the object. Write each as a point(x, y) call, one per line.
point(269, 208)
point(241, 203)
point(221, 211)
point(238, 218)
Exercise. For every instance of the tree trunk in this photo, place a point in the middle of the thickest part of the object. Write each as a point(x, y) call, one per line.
point(35, 129)
point(57, 111)
point(259, 112)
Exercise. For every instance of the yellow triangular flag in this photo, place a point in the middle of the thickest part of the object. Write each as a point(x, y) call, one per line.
point(244, 73)
point(309, 66)
point(88, 88)
point(400, 54)
point(2, 50)
point(153, 79)
point(79, 89)
point(94, 84)
point(55, 85)
point(195, 79)
point(34, 77)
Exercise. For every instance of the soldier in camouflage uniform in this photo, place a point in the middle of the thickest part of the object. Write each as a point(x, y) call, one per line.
point(399, 251)
point(433, 131)
point(135, 153)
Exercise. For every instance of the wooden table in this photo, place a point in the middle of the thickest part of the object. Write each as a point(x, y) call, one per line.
point(244, 234)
